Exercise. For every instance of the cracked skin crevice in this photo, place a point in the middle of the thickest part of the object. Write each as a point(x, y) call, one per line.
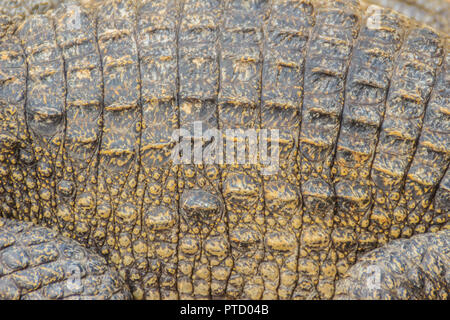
point(225, 231)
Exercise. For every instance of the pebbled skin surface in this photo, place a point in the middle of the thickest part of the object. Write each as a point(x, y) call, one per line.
point(90, 99)
point(37, 263)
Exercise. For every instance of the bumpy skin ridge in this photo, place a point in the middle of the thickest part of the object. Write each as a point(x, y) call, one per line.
point(37, 263)
point(366, 92)
point(239, 100)
point(286, 37)
point(329, 54)
point(408, 98)
point(119, 165)
point(76, 36)
point(16, 175)
point(45, 110)
point(157, 188)
point(431, 159)
point(86, 142)
point(204, 262)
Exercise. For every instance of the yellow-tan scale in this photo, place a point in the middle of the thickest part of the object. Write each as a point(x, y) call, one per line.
point(155, 247)
point(90, 100)
point(117, 201)
point(329, 54)
point(204, 255)
point(77, 190)
point(367, 86)
point(413, 79)
point(429, 167)
point(438, 210)
point(45, 110)
point(286, 34)
point(18, 194)
point(239, 102)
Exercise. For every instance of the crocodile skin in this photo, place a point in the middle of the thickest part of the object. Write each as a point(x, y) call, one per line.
point(413, 269)
point(37, 263)
point(431, 12)
point(90, 104)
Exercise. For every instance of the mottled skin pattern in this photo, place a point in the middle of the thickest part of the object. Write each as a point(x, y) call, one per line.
point(89, 101)
point(287, 32)
point(155, 247)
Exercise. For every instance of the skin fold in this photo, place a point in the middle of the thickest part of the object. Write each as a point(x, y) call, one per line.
point(93, 92)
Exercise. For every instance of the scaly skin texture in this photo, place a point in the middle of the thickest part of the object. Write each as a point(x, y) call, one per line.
point(155, 247)
point(90, 100)
point(21, 9)
point(37, 263)
point(412, 269)
point(431, 12)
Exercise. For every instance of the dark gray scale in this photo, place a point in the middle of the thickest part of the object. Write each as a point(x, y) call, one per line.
point(411, 85)
point(439, 210)
point(117, 203)
point(45, 109)
point(366, 92)
point(430, 160)
point(239, 108)
point(406, 269)
point(287, 31)
point(77, 190)
point(204, 256)
point(155, 247)
point(18, 177)
point(328, 56)
point(37, 263)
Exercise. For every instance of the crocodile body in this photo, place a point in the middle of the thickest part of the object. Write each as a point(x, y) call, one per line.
point(359, 96)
